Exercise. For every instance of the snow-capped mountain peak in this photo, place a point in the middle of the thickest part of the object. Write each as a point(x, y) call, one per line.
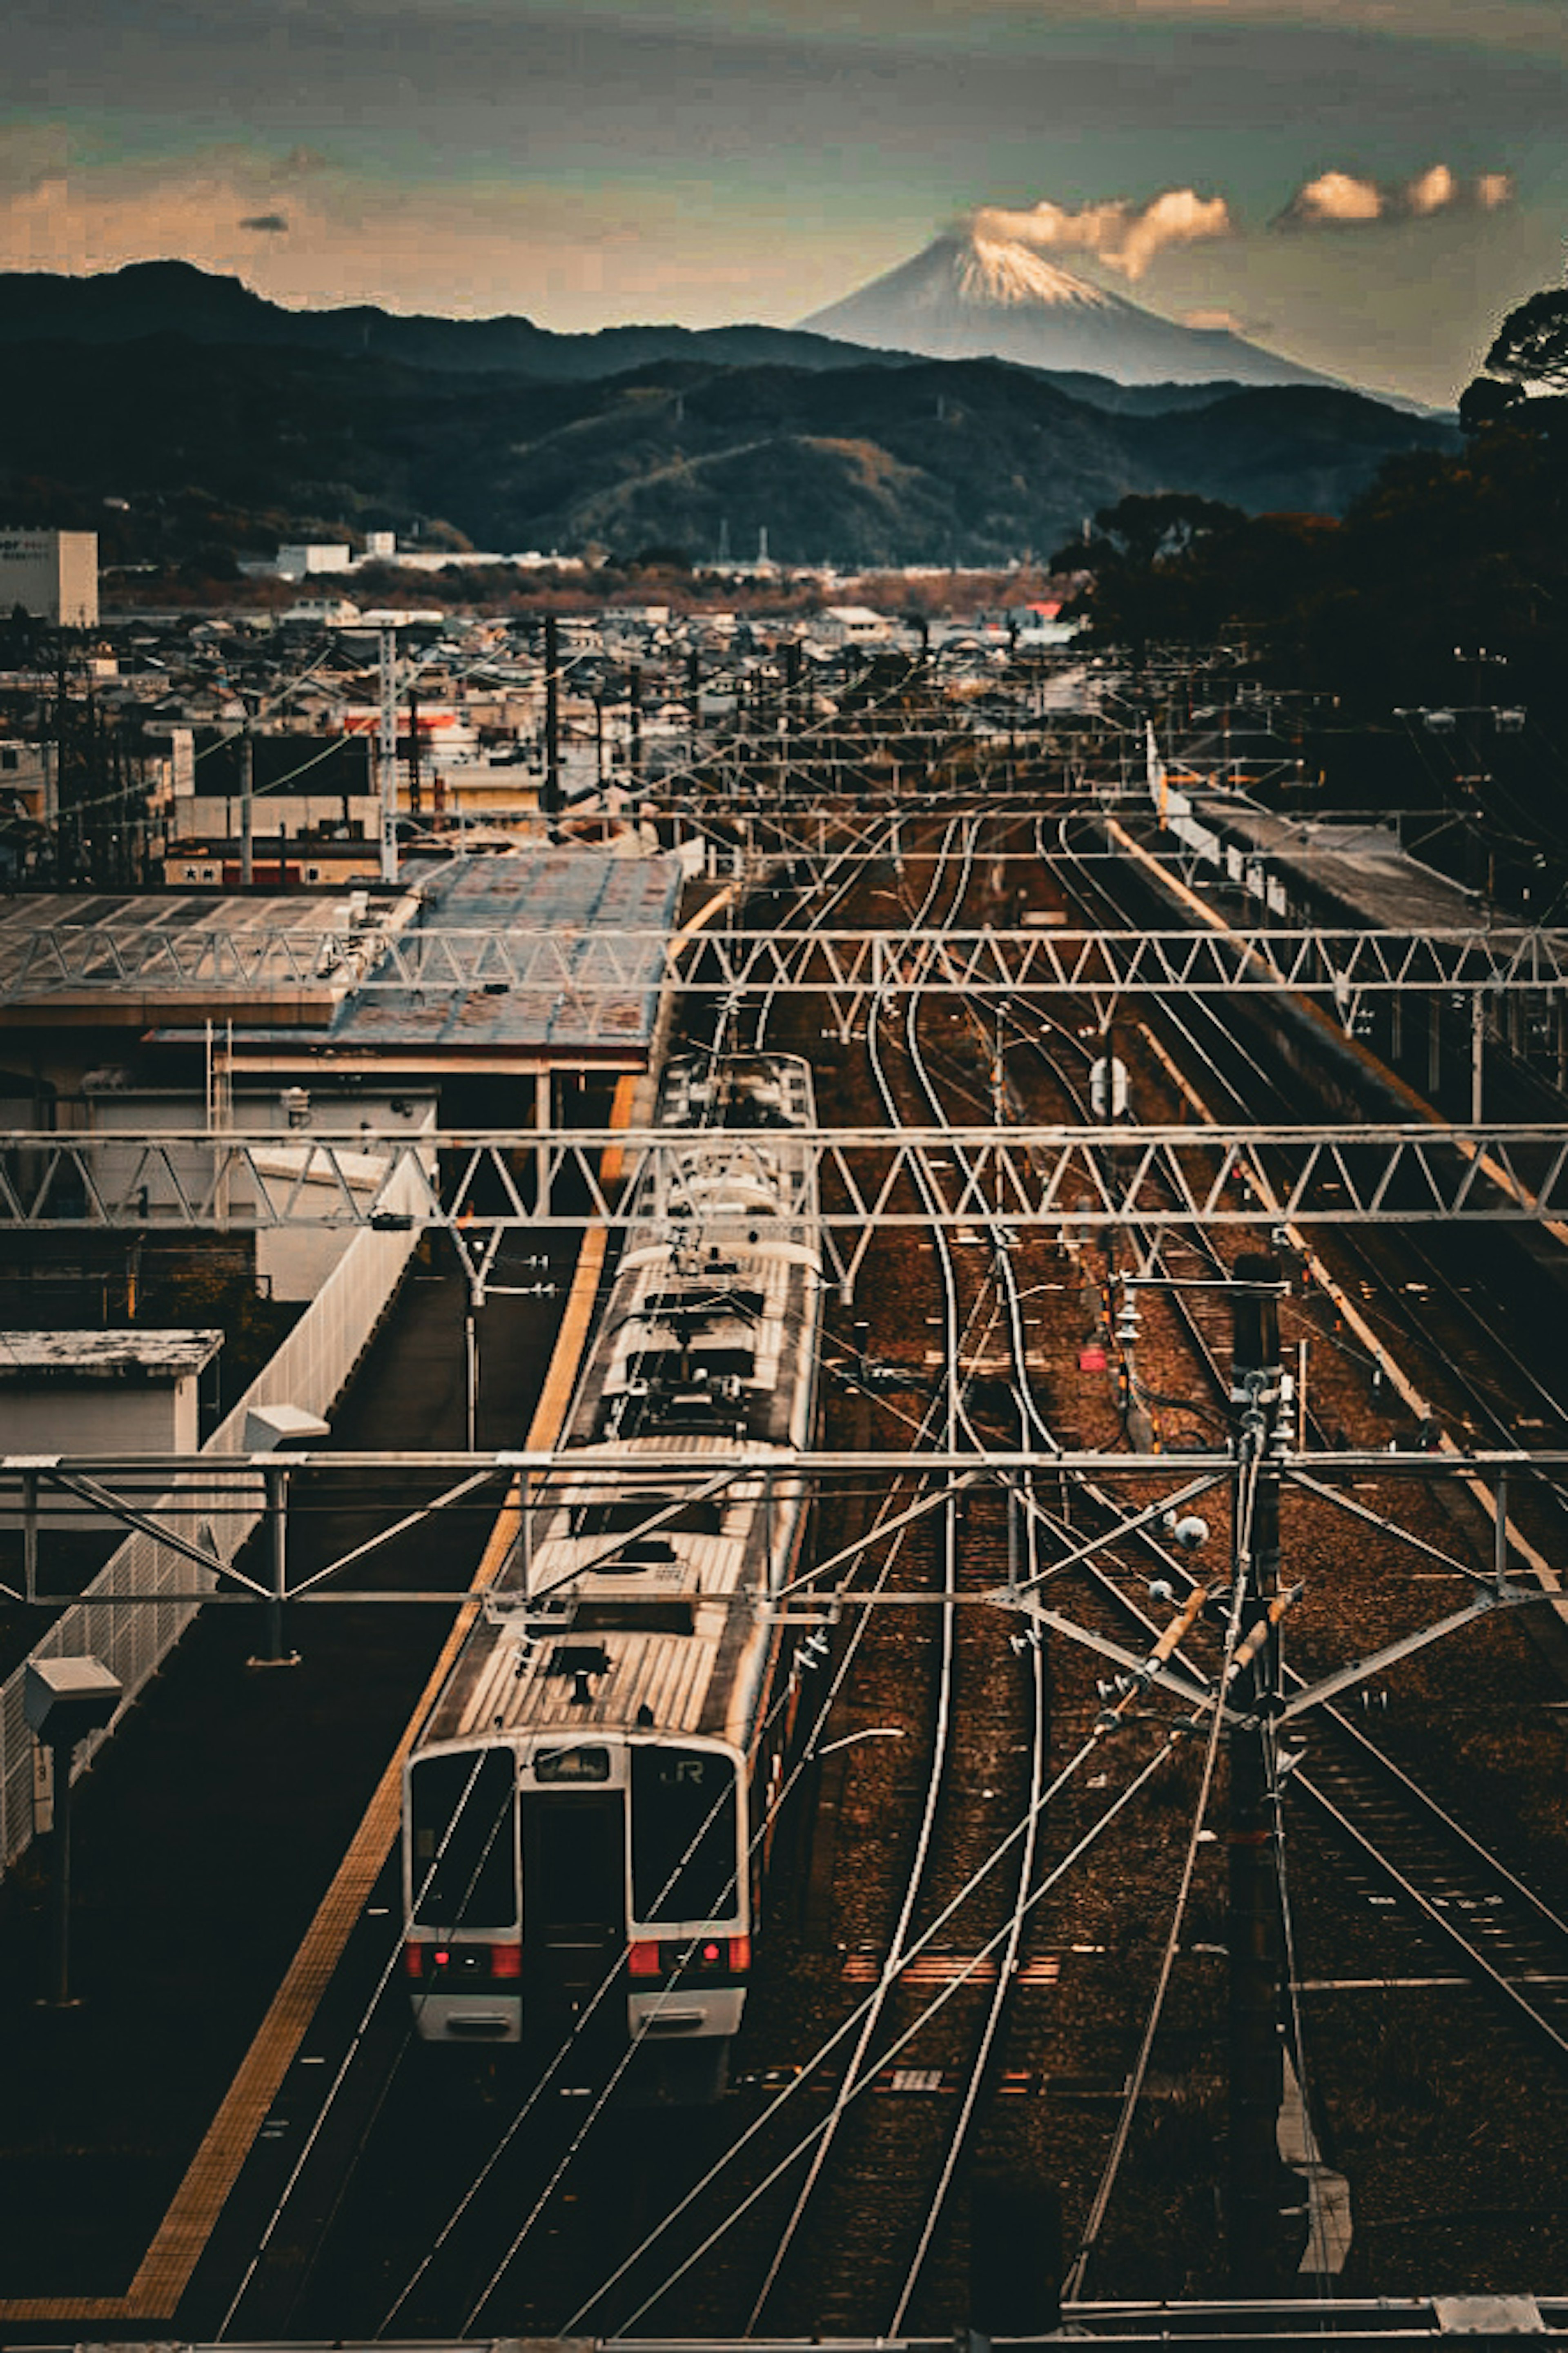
point(973, 294)
point(1000, 269)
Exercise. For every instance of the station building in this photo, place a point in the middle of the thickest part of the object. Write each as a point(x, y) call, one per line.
point(126, 1392)
point(281, 1018)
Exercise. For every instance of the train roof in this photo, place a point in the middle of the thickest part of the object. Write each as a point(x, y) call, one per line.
point(673, 1643)
point(645, 1605)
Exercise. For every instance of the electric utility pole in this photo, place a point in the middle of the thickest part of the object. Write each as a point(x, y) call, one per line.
point(386, 755)
point(1253, 1917)
point(248, 807)
point(552, 726)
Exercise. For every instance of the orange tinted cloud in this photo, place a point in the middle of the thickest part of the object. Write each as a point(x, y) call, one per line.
point(1126, 237)
point(301, 232)
point(1212, 320)
point(1344, 200)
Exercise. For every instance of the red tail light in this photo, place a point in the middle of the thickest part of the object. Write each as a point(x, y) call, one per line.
point(506, 1960)
point(718, 1957)
point(414, 1961)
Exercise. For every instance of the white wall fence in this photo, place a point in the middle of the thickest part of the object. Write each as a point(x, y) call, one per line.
point(309, 1371)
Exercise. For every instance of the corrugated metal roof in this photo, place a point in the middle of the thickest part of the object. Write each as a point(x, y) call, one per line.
point(576, 896)
point(137, 1356)
point(295, 960)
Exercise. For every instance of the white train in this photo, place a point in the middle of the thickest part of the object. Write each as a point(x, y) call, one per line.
point(583, 1806)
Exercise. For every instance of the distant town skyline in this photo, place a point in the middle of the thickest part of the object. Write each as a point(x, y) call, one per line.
point(1363, 184)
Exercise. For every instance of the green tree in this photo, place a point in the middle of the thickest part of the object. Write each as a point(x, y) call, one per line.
point(1529, 357)
point(1142, 529)
point(1150, 558)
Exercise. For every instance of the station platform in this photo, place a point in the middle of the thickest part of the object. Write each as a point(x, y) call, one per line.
point(206, 1837)
point(1357, 873)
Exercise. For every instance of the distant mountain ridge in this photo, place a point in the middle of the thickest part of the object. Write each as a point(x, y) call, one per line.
point(175, 298)
point(234, 424)
point(970, 295)
point(210, 447)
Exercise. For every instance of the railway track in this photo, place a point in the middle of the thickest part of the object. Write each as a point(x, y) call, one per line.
point(944, 1852)
point(804, 2204)
point(1500, 1933)
point(844, 2167)
point(861, 2061)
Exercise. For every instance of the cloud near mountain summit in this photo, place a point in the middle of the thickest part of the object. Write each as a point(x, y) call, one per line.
point(1127, 236)
point(1124, 237)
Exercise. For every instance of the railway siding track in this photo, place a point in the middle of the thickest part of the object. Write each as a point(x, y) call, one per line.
point(1499, 1931)
point(1409, 1852)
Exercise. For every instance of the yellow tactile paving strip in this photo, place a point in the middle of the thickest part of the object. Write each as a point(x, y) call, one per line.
point(166, 2269)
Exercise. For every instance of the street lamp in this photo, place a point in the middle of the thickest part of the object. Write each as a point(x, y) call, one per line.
point(63, 1701)
point(270, 1430)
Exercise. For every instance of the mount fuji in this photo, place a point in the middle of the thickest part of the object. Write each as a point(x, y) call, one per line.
point(975, 295)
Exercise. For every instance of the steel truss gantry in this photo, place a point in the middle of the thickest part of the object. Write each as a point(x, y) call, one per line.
point(182, 1502)
point(1344, 965)
point(1044, 1180)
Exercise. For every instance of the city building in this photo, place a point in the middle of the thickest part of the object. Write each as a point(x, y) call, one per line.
point(313, 555)
point(855, 625)
point(50, 574)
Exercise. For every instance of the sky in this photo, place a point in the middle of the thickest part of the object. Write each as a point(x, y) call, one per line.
point(1364, 185)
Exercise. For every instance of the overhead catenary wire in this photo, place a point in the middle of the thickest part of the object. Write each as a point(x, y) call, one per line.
point(1006, 1963)
point(1073, 2287)
point(955, 1986)
point(602, 1993)
point(915, 1874)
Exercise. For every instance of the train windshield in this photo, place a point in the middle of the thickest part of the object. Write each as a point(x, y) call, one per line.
point(684, 1860)
point(464, 1840)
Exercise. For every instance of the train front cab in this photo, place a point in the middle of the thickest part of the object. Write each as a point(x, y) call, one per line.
point(535, 1871)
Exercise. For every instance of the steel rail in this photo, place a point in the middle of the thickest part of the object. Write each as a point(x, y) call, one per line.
point(1419, 1800)
point(1414, 1800)
point(855, 2073)
point(1436, 1919)
point(1001, 1989)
